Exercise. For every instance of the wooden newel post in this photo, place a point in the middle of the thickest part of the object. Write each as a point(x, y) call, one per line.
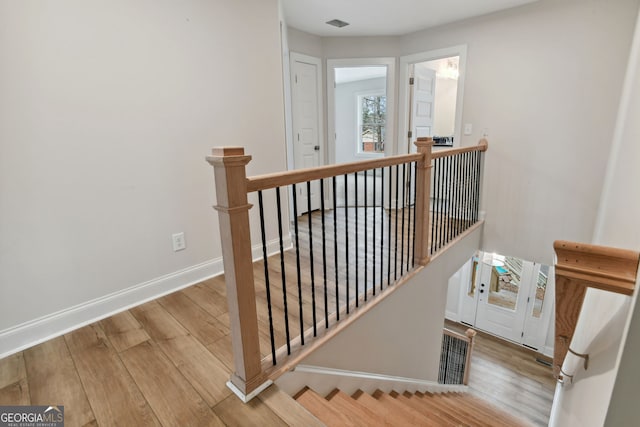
point(470, 333)
point(423, 196)
point(233, 211)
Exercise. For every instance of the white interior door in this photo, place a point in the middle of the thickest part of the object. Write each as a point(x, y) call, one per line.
point(306, 113)
point(422, 97)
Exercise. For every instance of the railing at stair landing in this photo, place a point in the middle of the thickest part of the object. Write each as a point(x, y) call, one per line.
point(401, 211)
point(580, 266)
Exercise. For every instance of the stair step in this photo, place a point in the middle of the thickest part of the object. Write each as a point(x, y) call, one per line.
point(401, 410)
point(427, 411)
point(323, 410)
point(345, 404)
point(443, 412)
point(387, 415)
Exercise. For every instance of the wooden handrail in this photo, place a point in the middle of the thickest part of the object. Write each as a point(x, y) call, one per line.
point(483, 145)
point(280, 179)
point(578, 267)
point(458, 335)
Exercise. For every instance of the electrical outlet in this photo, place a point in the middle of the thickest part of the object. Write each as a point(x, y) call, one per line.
point(468, 128)
point(178, 242)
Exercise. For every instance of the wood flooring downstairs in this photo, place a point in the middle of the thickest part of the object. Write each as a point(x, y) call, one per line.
point(167, 362)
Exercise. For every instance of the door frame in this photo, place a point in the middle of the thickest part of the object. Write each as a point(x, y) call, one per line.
point(291, 142)
point(332, 64)
point(404, 95)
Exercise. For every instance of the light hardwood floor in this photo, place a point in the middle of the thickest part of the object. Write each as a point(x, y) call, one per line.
point(509, 376)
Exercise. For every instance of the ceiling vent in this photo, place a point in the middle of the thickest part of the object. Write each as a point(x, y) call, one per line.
point(337, 23)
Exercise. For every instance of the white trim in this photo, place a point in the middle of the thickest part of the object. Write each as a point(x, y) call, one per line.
point(33, 332)
point(247, 397)
point(403, 89)
point(390, 63)
point(323, 380)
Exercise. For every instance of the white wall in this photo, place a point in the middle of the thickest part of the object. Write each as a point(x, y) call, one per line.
point(302, 42)
point(545, 80)
point(346, 120)
point(586, 403)
point(106, 114)
point(401, 336)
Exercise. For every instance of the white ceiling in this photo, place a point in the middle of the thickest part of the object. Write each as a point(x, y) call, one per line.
point(384, 17)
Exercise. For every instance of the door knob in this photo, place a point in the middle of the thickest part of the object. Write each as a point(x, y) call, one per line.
point(481, 291)
point(317, 148)
point(482, 284)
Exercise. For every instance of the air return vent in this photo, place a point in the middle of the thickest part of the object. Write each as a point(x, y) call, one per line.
point(337, 23)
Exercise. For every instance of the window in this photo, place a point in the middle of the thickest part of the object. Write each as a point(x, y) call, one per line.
point(372, 122)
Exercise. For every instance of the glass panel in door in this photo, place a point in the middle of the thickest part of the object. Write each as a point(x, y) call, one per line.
point(504, 286)
point(541, 288)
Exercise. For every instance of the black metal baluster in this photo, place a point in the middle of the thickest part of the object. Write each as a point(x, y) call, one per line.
point(465, 192)
point(456, 224)
point(454, 181)
point(449, 198)
point(469, 192)
point(355, 176)
point(404, 204)
point(266, 277)
point(427, 200)
point(395, 260)
point(438, 198)
point(366, 233)
point(434, 180)
point(335, 247)
point(373, 239)
point(283, 273)
point(409, 229)
point(381, 228)
point(311, 272)
point(324, 257)
point(295, 225)
point(346, 233)
point(389, 229)
point(478, 167)
point(441, 213)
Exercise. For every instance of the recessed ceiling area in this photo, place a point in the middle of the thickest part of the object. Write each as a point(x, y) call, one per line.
point(385, 17)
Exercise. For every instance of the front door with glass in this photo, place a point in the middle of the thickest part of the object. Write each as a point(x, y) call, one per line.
point(505, 296)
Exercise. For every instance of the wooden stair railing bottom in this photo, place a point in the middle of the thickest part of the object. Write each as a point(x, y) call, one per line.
point(580, 266)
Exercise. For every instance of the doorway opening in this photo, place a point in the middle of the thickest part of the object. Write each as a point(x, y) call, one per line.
point(505, 296)
point(431, 90)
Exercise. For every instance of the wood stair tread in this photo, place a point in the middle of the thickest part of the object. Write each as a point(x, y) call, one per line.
point(426, 410)
point(344, 403)
point(387, 415)
point(322, 409)
point(393, 409)
point(400, 410)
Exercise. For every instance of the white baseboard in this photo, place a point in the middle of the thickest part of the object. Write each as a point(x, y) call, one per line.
point(324, 380)
point(33, 332)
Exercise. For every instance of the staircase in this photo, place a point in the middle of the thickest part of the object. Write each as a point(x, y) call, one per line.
point(394, 409)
